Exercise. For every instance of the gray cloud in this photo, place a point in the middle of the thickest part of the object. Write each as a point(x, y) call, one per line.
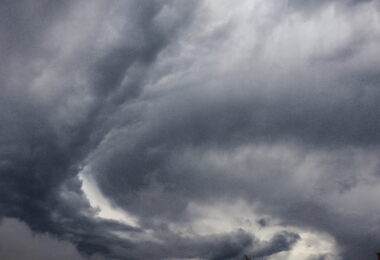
point(17, 241)
point(170, 105)
point(311, 5)
point(41, 142)
point(222, 246)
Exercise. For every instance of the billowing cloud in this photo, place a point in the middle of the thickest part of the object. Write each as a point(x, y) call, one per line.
point(197, 130)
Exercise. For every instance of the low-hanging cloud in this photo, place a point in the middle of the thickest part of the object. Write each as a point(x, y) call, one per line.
point(17, 241)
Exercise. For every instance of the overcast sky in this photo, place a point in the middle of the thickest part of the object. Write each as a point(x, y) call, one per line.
point(175, 129)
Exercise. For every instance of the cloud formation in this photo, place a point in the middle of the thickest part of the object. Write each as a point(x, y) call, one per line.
point(17, 241)
point(209, 130)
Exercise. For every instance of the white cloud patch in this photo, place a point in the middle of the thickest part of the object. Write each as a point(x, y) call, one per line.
point(104, 208)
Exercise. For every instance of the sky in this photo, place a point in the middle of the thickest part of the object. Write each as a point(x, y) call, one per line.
point(202, 129)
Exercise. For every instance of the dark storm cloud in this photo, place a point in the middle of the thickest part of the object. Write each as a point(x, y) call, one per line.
point(149, 38)
point(317, 110)
point(40, 153)
point(17, 241)
point(153, 151)
point(129, 90)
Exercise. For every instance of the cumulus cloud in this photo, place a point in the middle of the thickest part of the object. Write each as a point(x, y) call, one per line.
point(179, 114)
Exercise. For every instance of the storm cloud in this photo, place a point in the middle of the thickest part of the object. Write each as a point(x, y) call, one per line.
point(190, 129)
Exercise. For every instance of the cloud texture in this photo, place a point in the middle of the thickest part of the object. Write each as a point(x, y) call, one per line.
point(191, 129)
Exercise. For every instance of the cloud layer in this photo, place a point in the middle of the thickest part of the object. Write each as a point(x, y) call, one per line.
point(197, 130)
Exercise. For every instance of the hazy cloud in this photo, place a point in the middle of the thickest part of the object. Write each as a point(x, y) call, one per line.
point(17, 241)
